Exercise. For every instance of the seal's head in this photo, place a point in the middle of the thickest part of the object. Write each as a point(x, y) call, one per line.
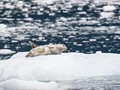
point(62, 47)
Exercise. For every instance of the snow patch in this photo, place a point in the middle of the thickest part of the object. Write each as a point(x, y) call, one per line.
point(16, 84)
point(30, 73)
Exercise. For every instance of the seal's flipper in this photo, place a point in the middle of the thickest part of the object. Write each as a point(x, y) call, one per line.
point(33, 45)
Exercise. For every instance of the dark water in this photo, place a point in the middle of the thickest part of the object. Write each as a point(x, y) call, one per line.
point(74, 24)
point(90, 43)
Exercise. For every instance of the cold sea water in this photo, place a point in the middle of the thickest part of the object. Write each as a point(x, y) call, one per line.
point(88, 43)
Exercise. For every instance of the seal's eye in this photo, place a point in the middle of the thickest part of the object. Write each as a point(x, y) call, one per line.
point(64, 47)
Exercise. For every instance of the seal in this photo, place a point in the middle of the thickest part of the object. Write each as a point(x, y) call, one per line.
point(45, 49)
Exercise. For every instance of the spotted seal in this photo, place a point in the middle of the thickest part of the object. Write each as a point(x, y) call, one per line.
point(45, 49)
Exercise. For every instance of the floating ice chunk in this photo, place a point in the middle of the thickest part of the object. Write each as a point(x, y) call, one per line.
point(117, 32)
point(63, 19)
point(3, 30)
point(66, 66)
point(92, 40)
point(6, 51)
point(25, 9)
point(45, 1)
point(69, 6)
point(109, 8)
point(20, 4)
point(51, 14)
point(102, 28)
point(20, 37)
point(107, 14)
point(9, 6)
point(3, 26)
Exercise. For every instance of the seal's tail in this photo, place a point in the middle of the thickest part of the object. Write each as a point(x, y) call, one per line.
point(33, 45)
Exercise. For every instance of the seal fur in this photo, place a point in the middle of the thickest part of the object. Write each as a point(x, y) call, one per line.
point(46, 49)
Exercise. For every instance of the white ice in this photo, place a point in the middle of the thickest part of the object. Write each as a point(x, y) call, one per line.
point(17, 84)
point(45, 1)
point(109, 8)
point(107, 14)
point(31, 73)
point(3, 31)
point(6, 51)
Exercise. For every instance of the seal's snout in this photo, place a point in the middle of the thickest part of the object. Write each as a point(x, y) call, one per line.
point(64, 47)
